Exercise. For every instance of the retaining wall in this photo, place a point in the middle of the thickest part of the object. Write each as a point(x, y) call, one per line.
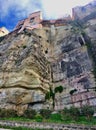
point(54, 126)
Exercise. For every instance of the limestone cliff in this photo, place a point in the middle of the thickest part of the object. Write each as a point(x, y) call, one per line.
point(86, 12)
point(49, 53)
point(24, 71)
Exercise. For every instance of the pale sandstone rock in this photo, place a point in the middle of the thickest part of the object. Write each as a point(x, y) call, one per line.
point(25, 72)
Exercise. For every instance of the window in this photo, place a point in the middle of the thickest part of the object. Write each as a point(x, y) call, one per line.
point(32, 20)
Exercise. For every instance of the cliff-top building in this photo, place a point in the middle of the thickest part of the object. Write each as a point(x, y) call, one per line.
point(35, 21)
point(3, 31)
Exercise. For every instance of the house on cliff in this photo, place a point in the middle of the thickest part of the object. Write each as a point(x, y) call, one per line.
point(3, 31)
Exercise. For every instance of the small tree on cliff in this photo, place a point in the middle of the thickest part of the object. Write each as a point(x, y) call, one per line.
point(51, 94)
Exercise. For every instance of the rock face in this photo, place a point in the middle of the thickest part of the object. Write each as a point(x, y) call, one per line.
point(60, 52)
point(24, 71)
point(86, 12)
point(71, 67)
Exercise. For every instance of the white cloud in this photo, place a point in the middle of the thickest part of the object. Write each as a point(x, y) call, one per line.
point(22, 7)
point(57, 8)
point(50, 8)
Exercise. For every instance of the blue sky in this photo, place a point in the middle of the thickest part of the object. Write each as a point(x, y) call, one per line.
point(11, 11)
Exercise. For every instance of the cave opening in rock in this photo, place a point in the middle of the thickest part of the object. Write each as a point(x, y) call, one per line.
point(81, 41)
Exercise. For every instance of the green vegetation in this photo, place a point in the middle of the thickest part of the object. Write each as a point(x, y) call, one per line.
point(59, 89)
point(72, 91)
point(74, 112)
point(38, 118)
point(30, 114)
point(56, 117)
point(24, 46)
point(22, 128)
point(87, 111)
point(45, 113)
point(51, 94)
point(7, 113)
point(66, 116)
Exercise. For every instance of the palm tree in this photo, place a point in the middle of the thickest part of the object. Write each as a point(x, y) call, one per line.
point(51, 94)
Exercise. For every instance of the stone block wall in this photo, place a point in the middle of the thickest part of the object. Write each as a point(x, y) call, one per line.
point(52, 126)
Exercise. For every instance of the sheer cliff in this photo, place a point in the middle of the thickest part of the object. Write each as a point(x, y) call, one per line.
point(24, 71)
point(34, 58)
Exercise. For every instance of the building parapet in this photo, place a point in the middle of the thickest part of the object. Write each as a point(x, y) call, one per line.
point(35, 21)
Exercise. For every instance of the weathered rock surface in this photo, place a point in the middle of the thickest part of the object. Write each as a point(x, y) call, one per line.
point(57, 54)
point(71, 67)
point(24, 71)
point(86, 12)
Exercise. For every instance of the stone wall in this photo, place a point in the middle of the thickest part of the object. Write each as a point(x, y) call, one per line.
point(53, 126)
